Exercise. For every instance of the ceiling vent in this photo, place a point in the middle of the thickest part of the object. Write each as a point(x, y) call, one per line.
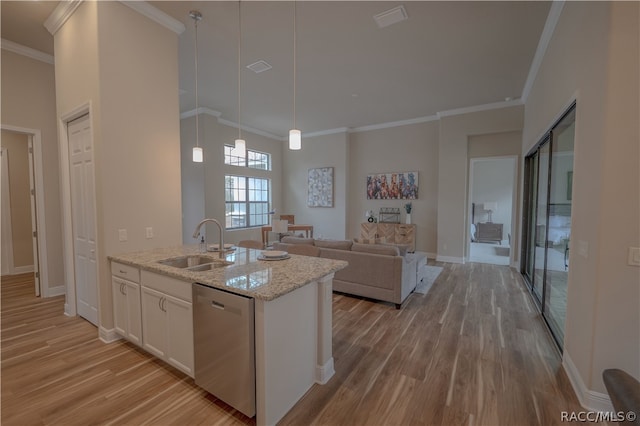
point(391, 16)
point(259, 67)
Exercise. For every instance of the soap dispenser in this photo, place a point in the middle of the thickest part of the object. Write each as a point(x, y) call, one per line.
point(203, 245)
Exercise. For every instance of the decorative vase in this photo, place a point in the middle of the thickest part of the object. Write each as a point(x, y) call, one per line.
point(408, 219)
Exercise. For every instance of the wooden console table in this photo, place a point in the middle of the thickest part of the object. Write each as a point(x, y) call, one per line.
point(308, 229)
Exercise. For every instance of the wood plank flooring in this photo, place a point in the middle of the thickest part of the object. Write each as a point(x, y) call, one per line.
point(472, 351)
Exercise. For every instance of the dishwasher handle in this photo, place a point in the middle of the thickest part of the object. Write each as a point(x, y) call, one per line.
point(217, 305)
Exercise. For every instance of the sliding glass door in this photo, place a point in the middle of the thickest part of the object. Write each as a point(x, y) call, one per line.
point(547, 221)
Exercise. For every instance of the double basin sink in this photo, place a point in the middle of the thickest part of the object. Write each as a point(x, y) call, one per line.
point(195, 263)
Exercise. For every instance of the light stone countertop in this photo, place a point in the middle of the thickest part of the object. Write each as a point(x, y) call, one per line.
point(248, 276)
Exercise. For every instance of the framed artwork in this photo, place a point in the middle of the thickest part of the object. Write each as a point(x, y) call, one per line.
point(320, 183)
point(392, 186)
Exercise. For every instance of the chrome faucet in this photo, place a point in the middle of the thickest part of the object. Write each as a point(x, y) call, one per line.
point(196, 234)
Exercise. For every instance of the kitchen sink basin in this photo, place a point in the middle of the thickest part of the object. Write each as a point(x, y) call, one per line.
point(196, 263)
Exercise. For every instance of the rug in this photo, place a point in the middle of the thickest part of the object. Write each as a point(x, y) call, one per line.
point(429, 276)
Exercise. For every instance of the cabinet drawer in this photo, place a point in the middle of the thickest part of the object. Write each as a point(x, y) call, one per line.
point(167, 285)
point(127, 272)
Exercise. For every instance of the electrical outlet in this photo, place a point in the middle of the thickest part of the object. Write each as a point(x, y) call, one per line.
point(634, 256)
point(149, 232)
point(122, 235)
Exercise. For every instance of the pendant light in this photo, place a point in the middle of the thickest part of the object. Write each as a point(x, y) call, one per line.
point(295, 136)
point(240, 144)
point(198, 156)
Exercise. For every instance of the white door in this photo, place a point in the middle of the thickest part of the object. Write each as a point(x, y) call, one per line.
point(34, 222)
point(83, 217)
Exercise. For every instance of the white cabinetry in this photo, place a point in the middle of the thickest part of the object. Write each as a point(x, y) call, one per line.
point(167, 320)
point(126, 302)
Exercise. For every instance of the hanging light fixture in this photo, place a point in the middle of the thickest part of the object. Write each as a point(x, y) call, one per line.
point(198, 155)
point(240, 147)
point(295, 136)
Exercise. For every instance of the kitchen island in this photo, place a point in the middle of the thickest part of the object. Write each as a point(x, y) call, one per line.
point(293, 315)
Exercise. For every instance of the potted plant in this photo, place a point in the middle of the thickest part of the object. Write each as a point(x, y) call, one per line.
point(407, 208)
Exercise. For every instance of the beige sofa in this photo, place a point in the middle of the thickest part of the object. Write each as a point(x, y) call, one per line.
point(379, 271)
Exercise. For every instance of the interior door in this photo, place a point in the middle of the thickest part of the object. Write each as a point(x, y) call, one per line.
point(34, 222)
point(83, 217)
point(7, 246)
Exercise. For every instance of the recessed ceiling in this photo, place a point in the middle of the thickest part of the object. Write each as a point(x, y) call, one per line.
point(447, 55)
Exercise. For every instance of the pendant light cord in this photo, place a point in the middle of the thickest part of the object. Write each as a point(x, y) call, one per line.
point(196, 19)
point(239, 62)
point(294, 63)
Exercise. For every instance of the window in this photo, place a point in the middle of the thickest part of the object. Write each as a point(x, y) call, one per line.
point(247, 201)
point(252, 159)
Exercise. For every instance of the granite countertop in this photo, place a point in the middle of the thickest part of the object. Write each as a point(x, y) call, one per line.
point(248, 276)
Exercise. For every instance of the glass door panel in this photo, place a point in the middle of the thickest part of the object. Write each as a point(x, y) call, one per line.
point(559, 225)
point(541, 221)
point(532, 191)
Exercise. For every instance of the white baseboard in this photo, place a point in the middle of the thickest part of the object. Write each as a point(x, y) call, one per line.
point(591, 400)
point(67, 310)
point(449, 259)
point(22, 269)
point(56, 291)
point(325, 372)
point(108, 335)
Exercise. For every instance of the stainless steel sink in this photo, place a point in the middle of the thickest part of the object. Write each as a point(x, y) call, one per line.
point(187, 261)
point(196, 263)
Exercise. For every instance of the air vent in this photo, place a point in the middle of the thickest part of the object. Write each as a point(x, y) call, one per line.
point(259, 66)
point(391, 16)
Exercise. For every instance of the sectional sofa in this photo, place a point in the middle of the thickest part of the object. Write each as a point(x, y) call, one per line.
point(378, 271)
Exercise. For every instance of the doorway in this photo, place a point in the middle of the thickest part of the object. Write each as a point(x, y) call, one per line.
point(21, 224)
point(491, 197)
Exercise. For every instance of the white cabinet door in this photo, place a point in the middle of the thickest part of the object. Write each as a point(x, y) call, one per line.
point(134, 316)
point(179, 334)
point(154, 322)
point(126, 309)
point(119, 307)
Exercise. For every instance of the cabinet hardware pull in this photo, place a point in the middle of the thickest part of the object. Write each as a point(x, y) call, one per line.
point(164, 304)
point(160, 303)
point(123, 272)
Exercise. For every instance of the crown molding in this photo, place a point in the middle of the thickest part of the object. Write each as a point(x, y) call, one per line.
point(218, 114)
point(27, 51)
point(545, 38)
point(156, 15)
point(326, 132)
point(390, 124)
point(60, 14)
point(478, 108)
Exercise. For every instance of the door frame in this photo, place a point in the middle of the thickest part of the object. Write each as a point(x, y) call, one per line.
point(514, 204)
point(43, 267)
point(70, 305)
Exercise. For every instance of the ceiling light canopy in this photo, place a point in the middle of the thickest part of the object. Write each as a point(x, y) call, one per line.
point(391, 16)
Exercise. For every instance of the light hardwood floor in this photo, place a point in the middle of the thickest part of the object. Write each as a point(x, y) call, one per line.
point(472, 351)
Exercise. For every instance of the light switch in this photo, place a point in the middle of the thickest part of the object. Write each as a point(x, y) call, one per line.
point(122, 235)
point(634, 256)
point(149, 231)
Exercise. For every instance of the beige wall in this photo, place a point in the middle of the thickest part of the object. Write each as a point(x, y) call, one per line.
point(203, 183)
point(126, 66)
point(397, 149)
point(600, 66)
point(319, 151)
point(29, 101)
point(453, 171)
point(17, 148)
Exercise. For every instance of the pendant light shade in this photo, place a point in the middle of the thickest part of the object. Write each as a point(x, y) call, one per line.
point(198, 155)
point(240, 148)
point(295, 139)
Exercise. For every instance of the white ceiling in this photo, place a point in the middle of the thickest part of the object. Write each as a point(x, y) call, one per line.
point(351, 73)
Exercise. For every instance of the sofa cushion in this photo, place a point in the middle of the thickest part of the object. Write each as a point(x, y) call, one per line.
point(297, 240)
point(334, 244)
point(384, 249)
point(381, 240)
point(402, 248)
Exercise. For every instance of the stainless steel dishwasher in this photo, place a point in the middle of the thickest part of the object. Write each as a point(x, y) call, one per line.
point(224, 350)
